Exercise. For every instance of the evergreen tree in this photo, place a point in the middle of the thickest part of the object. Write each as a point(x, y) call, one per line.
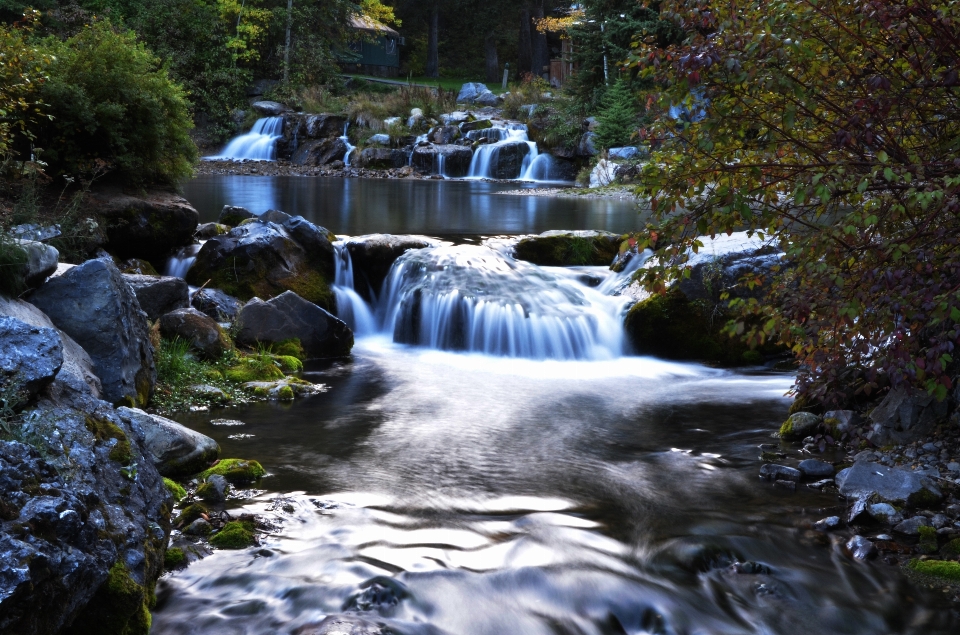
point(618, 118)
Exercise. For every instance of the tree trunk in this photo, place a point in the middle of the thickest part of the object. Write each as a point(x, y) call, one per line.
point(490, 53)
point(526, 47)
point(433, 52)
point(541, 52)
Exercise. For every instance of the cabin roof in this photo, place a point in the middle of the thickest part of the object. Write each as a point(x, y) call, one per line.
point(363, 23)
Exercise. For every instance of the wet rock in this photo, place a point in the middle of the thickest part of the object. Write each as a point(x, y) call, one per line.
point(36, 233)
point(827, 524)
point(275, 216)
point(284, 389)
point(269, 108)
point(316, 241)
point(290, 316)
point(799, 425)
point(341, 625)
point(861, 549)
point(209, 230)
point(324, 125)
point(911, 526)
point(587, 146)
point(476, 93)
point(174, 449)
point(885, 513)
point(565, 248)
point(263, 260)
point(772, 472)
point(42, 261)
point(905, 416)
point(453, 159)
point(939, 521)
point(149, 226)
point(841, 421)
point(95, 306)
point(373, 255)
point(320, 152)
point(232, 215)
point(30, 358)
point(158, 295)
point(815, 468)
point(784, 484)
point(214, 489)
point(890, 484)
point(76, 374)
point(444, 135)
point(199, 527)
point(819, 485)
point(216, 304)
point(202, 332)
point(382, 158)
point(210, 392)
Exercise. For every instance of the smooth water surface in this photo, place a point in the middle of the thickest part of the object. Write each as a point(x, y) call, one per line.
point(409, 206)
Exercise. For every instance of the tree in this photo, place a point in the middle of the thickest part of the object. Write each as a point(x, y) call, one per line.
point(617, 121)
point(23, 70)
point(833, 127)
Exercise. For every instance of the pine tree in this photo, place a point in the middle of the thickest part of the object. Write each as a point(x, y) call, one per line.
point(618, 118)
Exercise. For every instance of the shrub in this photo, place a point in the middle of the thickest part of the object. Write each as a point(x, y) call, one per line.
point(110, 99)
point(12, 261)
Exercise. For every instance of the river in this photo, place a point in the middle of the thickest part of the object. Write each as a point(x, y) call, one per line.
point(465, 493)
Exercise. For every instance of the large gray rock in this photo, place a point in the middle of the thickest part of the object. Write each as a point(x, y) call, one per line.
point(174, 449)
point(449, 160)
point(148, 226)
point(815, 469)
point(269, 108)
point(42, 261)
point(319, 152)
point(774, 472)
point(290, 316)
point(30, 357)
point(382, 158)
point(201, 331)
point(76, 374)
point(374, 254)
point(79, 501)
point(890, 484)
point(444, 135)
point(233, 215)
point(159, 295)
point(39, 233)
point(470, 91)
point(905, 416)
point(216, 304)
point(587, 146)
point(95, 306)
point(507, 159)
point(324, 125)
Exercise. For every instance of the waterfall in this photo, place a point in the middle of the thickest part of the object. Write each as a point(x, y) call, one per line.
point(260, 144)
point(474, 299)
point(537, 168)
point(346, 142)
point(178, 265)
point(487, 157)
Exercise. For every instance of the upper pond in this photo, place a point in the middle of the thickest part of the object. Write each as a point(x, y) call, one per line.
point(392, 206)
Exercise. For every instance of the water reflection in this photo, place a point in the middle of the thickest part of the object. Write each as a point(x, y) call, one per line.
point(400, 206)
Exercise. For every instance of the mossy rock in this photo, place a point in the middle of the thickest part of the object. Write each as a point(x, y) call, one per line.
point(254, 369)
point(236, 471)
point(923, 498)
point(174, 559)
point(289, 363)
point(175, 489)
point(673, 327)
point(285, 393)
point(564, 249)
point(120, 607)
point(234, 535)
point(799, 425)
point(928, 540)
point(805, 404)
point(189, 514)
point(942, 569)
point(104, 430)
point(289, 348)
point(951, 550)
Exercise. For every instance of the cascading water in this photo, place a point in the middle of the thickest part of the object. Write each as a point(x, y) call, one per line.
point(486, 162)
point(178, 265)
point(346, 142)
point(260, 144)
point(472, 298)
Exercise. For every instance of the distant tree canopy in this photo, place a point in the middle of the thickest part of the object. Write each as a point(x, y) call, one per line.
point(834, 127)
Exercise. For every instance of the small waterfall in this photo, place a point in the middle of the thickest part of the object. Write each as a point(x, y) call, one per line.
point(486, 159)
point(179, 264)
point(350, 306)
point(537, 167)
point(346, 142)
point(260, 144)
point(441, 164)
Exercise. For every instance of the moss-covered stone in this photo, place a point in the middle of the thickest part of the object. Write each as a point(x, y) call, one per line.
point(120, 607)
point(923, 498)
point(289, 348)
point(236, 471)
point(289, 363)
point(254, 368)
point(951, 550)
point(563, 249)
point(285, 393)
point(798, 426)
point(234, 535)
point(175, 489)
point(175, 558)
point(946, 570)
point(928, 540)
point(104, 430)
point(189, 514)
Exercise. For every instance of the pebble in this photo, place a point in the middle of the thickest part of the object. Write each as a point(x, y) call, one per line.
point(930, 447)
point(861, 548)
point(815, 468)
point(772, 471)
point(911, 526)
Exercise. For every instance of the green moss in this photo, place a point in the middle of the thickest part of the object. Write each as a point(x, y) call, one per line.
point(567, 250)
point(289, 363)
point(923, 498)
point(234, 535)
point(236, 471)
point(946, 570)
point(120, 607)
point(291, 347)
point(189, 514)
point(951, 550)
point(786, 430)
point(285, 393)
point(208, 492)
point(175, 558)
point(103, 430)
point(254, 369)
point(175, 489)
point(751, 357)
point(928, 540)
point(310, 284)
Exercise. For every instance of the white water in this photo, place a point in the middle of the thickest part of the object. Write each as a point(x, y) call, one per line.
point(260, 144)
point(471, 298)
point(346, 142)
point(179, 264)
point(486, 158)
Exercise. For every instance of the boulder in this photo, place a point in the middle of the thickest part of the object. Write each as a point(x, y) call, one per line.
point(30, 357)
point(209, 230)
point(37, 233)
point(76, 374)
point(470, 92)
point(324, 125)
point(264, 260)
point(201, 331)
point(382, 158)
point(905, 416)
point(911, 526)
point(232, 215)
point(815, 469)
point(486, 98)
point(477, 124)
point(341, 625)
point(290, 316)
point(444, 135)
point(174, 449)
point(216, 304)
point(416, 119)
point(884, 513)
point(42, 261)
point(890, 484)
point(455, 118)
point(274, 216)
point(774, 472)
point(449, 160)
point(269, 108)
point(158, 295)
point(587, 145)
point(150, 226)
point(95, 306)
point(604, 173)
point(628, 152)
point(799, 425)
point(379, 139)
point(284, 389)
point(374, 254)
point(214, 490)
point(557, 248)
point(319, 152)
point(83, 526)
point(507, 159)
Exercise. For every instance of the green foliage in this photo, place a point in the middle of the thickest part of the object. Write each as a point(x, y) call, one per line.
point(835, 130)
point(13, 259)
point(174, 558)
point(928, 540)
point(617, 121)
point(113, 103)
point(234, 535)
point(937, 568)
point(290, 347)
point(951, 550)
point(176, 490)
point(23, 69)
point(119, 607)
point(236, 471)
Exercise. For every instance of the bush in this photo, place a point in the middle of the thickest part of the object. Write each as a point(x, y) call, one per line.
point(111, 101)
point(12, 261)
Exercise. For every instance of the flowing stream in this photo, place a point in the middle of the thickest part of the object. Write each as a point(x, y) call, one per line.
point(260, 144)
point(490, 461)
